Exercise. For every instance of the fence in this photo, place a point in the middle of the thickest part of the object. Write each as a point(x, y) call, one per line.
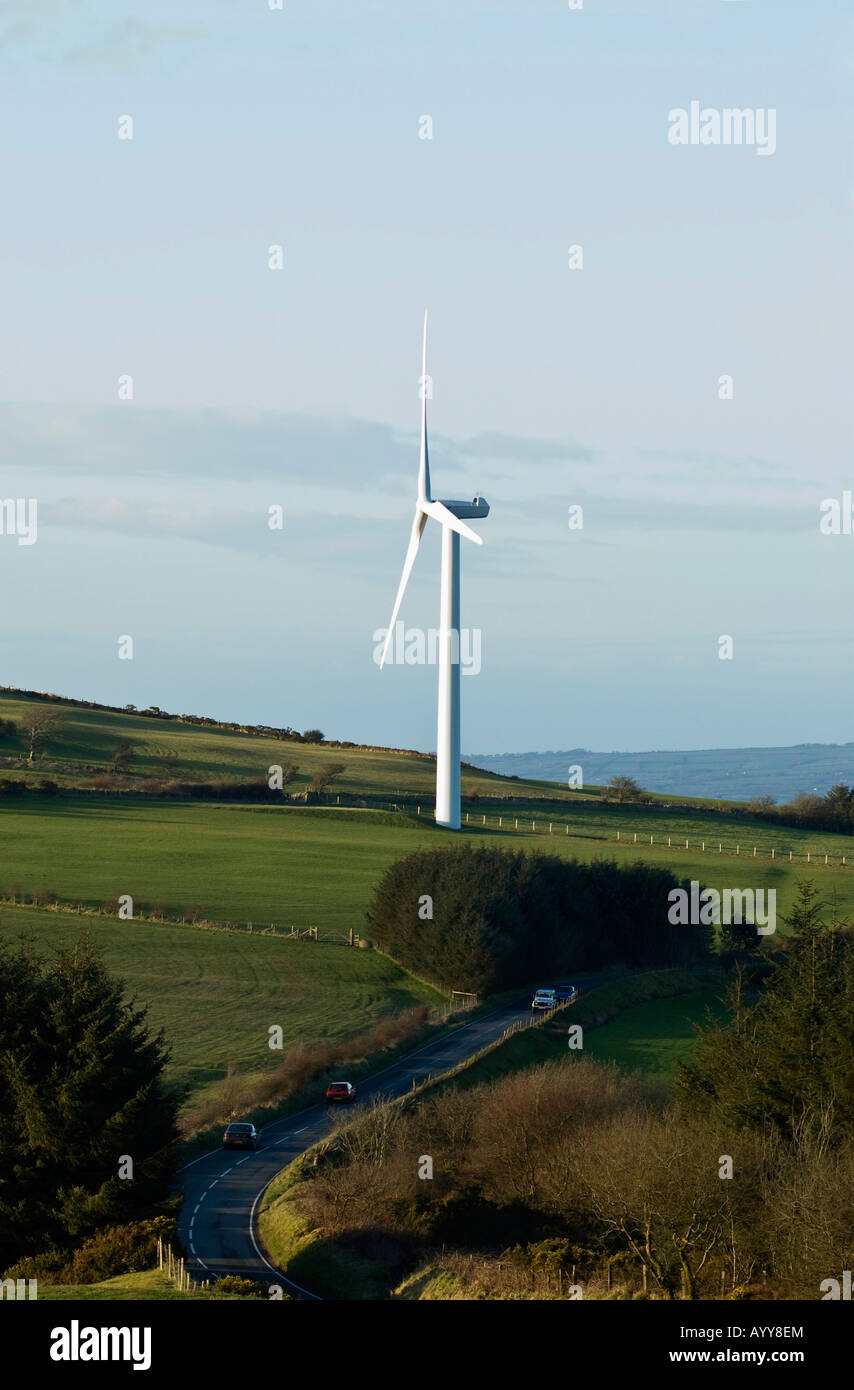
point(788, 856)
point(176, 1269)
point(288, 933)
point(814, 858)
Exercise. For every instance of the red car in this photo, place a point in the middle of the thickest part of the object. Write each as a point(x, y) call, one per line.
point(338, 1091)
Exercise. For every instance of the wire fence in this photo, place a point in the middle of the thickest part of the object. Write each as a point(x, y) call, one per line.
point(543, 826)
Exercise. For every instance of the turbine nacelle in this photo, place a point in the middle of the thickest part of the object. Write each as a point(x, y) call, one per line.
point(478, 507)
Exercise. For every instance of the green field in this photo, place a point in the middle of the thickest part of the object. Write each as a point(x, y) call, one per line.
point(653, 1037)
point(85, 740)
point(151, 1285)
point(216, 993)
point(296, 866)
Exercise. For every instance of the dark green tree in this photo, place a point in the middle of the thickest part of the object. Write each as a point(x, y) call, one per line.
point(786, 1059)
point(486, 918)
point(81, 1092)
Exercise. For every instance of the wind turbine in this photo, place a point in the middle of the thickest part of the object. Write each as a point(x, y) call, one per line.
point(449, 514)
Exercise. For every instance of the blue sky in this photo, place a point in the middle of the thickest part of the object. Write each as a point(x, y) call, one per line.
point(551, 387)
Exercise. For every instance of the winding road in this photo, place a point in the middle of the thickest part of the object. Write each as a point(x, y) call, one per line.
point(222, 1192)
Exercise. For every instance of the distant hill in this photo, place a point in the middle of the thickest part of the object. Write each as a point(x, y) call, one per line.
point(729, 774)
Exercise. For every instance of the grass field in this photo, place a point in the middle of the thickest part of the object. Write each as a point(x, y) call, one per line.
point(298, 866)
point(86, 739)
point(653, 1037)
point(217, 993)
point(152, 1285)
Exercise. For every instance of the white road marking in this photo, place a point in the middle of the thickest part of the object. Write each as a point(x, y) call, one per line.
point(475, 1023)
point(299, 1131)
point(259, 1252)
point(227, 1170)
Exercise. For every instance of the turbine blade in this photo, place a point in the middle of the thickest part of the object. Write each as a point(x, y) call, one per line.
point(418, 524)
point(424, 465)
point(441, 513)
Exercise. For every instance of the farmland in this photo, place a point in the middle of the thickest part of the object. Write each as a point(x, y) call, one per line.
point(299, 866)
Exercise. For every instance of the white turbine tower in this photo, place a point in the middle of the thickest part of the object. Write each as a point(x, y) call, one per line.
point(449, 514)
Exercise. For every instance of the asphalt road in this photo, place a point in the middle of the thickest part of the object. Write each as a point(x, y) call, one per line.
point(223, 1189)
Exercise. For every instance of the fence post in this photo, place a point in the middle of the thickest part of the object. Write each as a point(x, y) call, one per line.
point(618, 834)
point(651, 839)
point(686, 844)
point(500, 819)
point(808, 856)
point(736, 849)
point(467, 817)
point(720, 849)
point(703, 846)
point(517, 823)
point(533, 825)
point(773, 852)
point(550, 827)
point(668, 842)
point(754, 851)
point(484, 820)
point(790, 856)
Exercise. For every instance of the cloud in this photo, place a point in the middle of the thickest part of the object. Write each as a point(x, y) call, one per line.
point(508, 446)
point(122, 44)
point(78, 33)
point(712, 462)
point(331, 473)
point(129, 439)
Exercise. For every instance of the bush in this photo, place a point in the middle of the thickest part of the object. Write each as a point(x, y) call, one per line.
point(244, 1288)
point(501, 918)
point(43, 897)
point(119, 1250)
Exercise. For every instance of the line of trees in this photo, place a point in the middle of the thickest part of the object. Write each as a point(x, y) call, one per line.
point(485, 919)
point(807, 810)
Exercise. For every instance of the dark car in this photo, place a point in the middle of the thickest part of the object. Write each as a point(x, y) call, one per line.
point(240, 1136)
point(340, 1091)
